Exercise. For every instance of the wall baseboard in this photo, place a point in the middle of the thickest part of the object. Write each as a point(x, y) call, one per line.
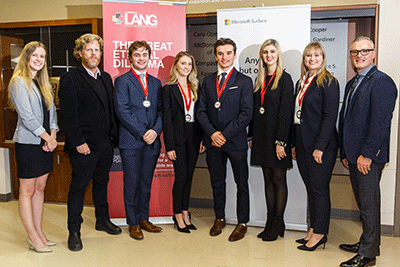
point(5, 197)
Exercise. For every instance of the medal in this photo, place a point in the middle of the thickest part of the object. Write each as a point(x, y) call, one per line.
point(188, 117)
point(146, 103)
point(221, 89)
point(298, 114)
point(262, 110)
point(217, 104)
point(264, 89)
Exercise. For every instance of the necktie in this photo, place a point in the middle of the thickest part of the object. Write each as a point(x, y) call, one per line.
point(351, 91)
point(143, 78)
point(222, 78)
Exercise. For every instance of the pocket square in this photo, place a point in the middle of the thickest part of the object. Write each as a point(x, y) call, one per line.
point(233, 88)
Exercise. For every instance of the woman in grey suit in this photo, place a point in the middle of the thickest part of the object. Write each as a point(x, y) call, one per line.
point(31, 96)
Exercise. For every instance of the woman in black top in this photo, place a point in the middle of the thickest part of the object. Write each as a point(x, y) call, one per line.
point(270, 133)
point(182, 133)
point(316, 139)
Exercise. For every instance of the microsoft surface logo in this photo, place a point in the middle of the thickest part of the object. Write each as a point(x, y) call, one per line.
point(227, 22)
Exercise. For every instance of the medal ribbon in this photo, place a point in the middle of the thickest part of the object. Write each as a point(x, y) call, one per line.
point(265, 87)
point(301, 94)
point(187, 102)
point(219, 91)
point(145, 89)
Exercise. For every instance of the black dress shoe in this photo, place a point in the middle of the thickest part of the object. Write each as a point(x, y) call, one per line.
point(74, 241)
point(108, 226)
point(302, 241)
point(359, 261)
point(353, 248)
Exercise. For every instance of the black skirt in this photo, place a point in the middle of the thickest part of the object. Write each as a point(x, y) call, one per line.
point(32, 160)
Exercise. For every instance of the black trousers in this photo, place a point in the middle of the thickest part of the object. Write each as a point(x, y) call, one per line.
point(216, 160)
point(316, 178)
point(184, 165)
point(96, 167)
point(367, 191)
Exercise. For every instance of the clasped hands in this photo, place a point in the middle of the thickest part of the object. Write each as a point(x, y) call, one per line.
point(218, 139)
point(50, 144)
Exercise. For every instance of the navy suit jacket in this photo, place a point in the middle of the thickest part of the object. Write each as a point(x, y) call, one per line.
point(134, 118)
point(365, 129)
point(318, 118)
point(234, 114)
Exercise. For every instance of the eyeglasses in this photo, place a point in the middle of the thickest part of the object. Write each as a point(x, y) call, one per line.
point(364, 52)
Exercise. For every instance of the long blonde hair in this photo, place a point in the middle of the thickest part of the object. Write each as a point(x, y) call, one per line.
point(322, 74)
point(23, 71)
point(192, 77)
point(262, 66)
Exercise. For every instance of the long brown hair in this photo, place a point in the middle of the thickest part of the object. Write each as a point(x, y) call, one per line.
point(23, 71)
point(262, 66)
point(192, 77)
point(322, 73)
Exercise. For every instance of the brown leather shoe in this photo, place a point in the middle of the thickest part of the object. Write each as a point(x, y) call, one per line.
point(238, 233)
point(135, 232)
point(149, 227)
point(216, 229)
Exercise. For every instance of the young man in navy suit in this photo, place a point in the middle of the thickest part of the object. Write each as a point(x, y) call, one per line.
point(138, 108)
point(87, 113)
point(225, 110)
point(364, 133)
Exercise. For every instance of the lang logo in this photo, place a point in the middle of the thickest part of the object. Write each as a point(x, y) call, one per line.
point(117, 18)
point(227, 22)
point(134, 19)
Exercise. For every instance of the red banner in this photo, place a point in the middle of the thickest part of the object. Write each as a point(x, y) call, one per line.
point(163, 26)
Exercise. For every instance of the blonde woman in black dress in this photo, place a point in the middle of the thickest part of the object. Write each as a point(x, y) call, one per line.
point(35, 138)
point(270, 134)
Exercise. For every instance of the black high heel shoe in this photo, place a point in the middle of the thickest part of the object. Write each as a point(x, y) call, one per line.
point(182, 230)
point(277, 229)
point(302, 241)
point(190, 226)
point(323, 241)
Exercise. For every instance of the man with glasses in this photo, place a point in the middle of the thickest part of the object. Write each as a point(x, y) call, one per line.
point(364, 132)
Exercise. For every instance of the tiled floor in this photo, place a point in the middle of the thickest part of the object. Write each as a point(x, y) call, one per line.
point(171, 248)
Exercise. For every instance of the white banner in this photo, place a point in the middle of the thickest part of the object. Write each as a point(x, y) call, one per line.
point(249, 28)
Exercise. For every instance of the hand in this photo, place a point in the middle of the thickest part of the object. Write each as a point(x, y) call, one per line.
point(317, 154)
point(83, 149)
point(202, 148)
point(50, 145)
point(280, 152)
point(218, 139)
point(364, 164)
point(150, 136)
point(250, 143)
point(345, 162)
point(294, 153)
point(171, 155)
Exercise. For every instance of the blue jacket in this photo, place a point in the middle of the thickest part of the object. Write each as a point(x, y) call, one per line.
point(134, 118)
point(365, 130)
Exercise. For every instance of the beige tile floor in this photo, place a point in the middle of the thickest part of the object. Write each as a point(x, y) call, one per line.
point(171, 248)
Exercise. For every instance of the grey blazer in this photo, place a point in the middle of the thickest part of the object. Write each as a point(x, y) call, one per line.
point(28, 105)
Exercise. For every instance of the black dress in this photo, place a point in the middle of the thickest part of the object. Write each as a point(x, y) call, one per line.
point(274, 125)
point(32, 160)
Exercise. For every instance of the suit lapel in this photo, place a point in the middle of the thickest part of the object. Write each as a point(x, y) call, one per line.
point(178, 95)
point(92, 86)
point(360, 88)
point(228, 85)
point(137, 84)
